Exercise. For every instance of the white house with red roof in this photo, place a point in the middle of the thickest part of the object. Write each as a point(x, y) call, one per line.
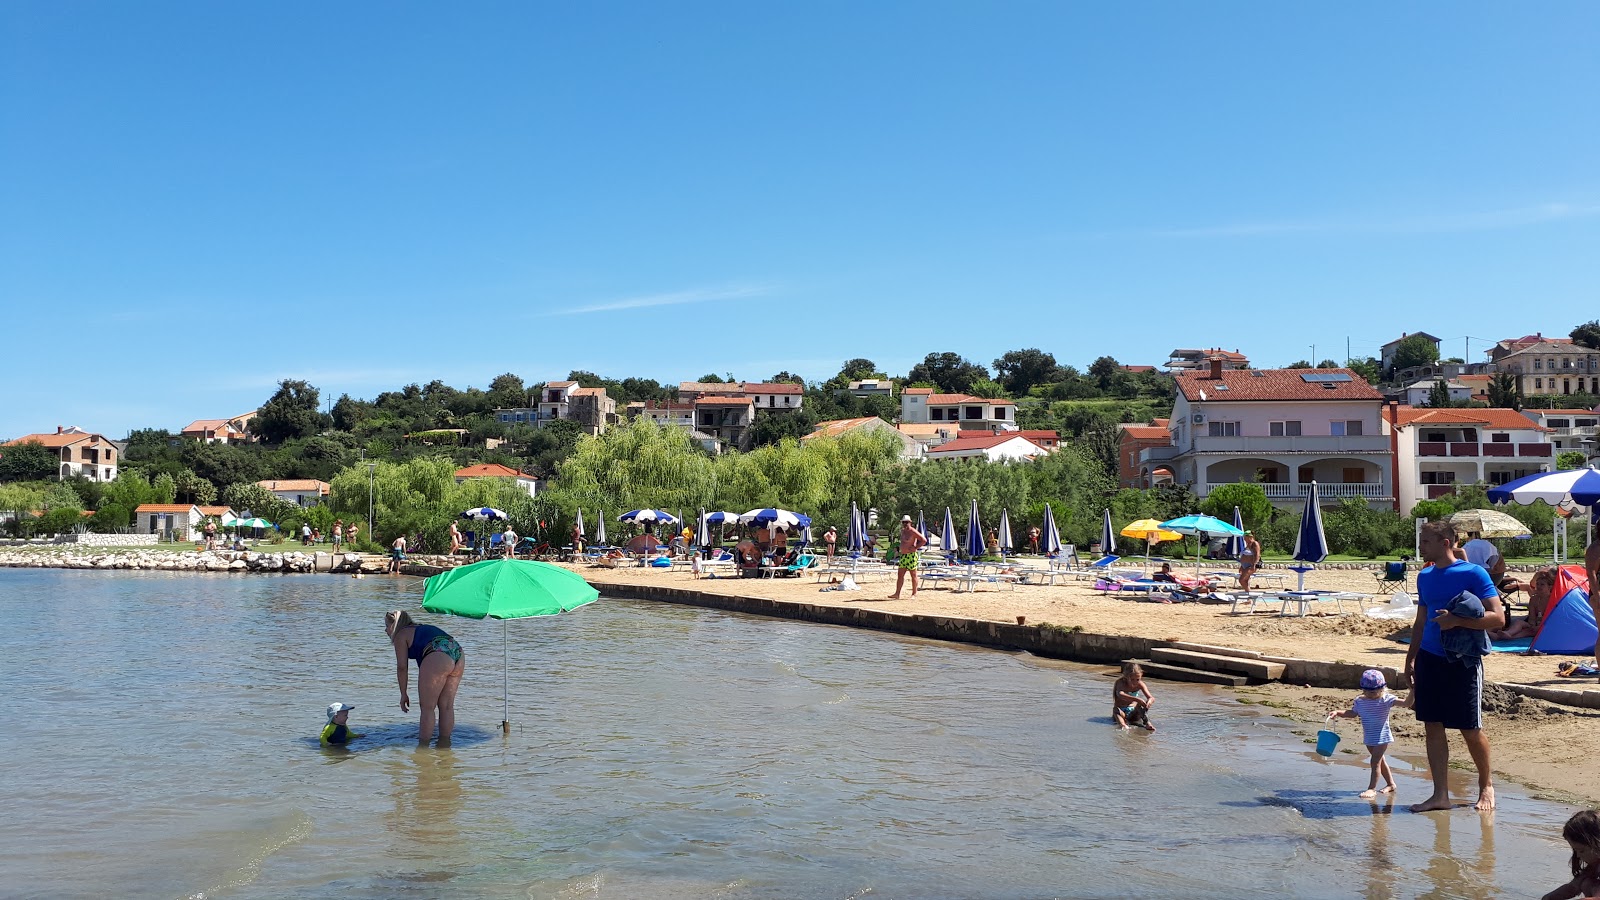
point(774, 395)
point(1132, 440)
point(221, 431)
point(922, 406)
point(299, 491)
point(993, 446)
point(169, 521)
point(910, 447)
point(663, 412)
point(1570, 429)
point(523, 481)
point(1283, 428)
point(1437, 449)
point(77, 452)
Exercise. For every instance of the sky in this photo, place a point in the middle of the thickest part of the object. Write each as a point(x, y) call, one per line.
point(199, 200)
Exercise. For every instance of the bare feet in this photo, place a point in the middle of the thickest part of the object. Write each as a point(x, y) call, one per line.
point(1387, 789)
point(892, 597)
point(1367, 794)
point(1485, 800)
point(1436, 802)
point(1149, 727)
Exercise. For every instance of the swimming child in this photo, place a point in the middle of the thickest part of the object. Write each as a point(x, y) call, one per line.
point(337, 732)
point(1582, 832)
point(1131, 699)
point(1372, 708)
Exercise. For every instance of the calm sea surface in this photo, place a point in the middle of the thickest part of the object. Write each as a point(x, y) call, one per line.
point(162, 743)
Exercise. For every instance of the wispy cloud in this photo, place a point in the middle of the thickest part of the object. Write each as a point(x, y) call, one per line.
point(672, 298)
point(1490, 220)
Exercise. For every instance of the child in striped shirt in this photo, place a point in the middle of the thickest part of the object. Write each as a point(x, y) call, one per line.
point(1372, 708)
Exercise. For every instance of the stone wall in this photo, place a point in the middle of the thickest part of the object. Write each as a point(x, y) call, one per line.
point(89, 539)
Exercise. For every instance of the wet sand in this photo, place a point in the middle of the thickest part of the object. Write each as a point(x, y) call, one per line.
point(1553, 748)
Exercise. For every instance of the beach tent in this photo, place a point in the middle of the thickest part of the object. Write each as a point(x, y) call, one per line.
point(1569, 627)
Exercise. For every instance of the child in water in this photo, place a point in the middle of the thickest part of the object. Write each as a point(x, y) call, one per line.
point(1372, 708)
point(1131, 699)
point(1582, 832)
point(337, 732)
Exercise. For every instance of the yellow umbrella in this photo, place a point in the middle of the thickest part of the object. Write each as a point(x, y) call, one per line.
point(1151, 531)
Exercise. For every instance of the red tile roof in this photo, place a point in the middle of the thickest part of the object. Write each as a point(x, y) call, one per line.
point(296, 484)
point(1039, 434)
point(1508, 419)
point(57, 441)
point(836, 427)
point(979, 442)
point(916, 391)
point(215, 510)
point(561, 384)
point(724, 401)
point(1561, 412)
point(489, 470)
point(953, 399)
point(587, 392)
point(1138, 368)
point(163, 508)
point(1274, 384)
point(1146, 432)
point(772, 387)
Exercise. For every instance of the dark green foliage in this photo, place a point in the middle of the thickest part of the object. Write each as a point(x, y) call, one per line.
point(1368, 368)
point(1251, 499)
point(31, 461)
point(1504, 391)
point(290, 413)
point(1415, 350)
point(951, 372)
point(1019, 370)
point(1587, 334)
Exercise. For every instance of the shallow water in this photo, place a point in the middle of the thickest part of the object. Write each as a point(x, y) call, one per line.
point(163, 744)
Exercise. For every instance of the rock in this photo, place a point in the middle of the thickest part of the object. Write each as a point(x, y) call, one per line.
point(238, 565)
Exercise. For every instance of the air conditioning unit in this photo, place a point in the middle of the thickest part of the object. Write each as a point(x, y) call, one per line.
point(1198, 418)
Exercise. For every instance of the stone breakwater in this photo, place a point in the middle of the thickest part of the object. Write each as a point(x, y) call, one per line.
point(193, 561)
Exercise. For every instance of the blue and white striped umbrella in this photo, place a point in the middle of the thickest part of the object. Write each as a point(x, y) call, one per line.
point(485, 514)
point(648, 516)
point(702, 534)
point(1236, 542)
point(719, 518)
point(769, 516)
point(1006, 545)
point(1108, 535)
point(1049, 535)
point(1581, 486)
point(855, 536)
point(947, 539)
point(922, 527)
point(974, 546)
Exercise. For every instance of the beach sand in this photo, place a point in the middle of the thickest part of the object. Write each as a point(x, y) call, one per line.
point(1552, 748)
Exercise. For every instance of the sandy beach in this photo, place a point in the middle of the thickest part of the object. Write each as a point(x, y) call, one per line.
point(1555, 749)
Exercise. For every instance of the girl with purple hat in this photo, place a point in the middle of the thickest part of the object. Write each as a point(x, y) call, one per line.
point(1372, 708)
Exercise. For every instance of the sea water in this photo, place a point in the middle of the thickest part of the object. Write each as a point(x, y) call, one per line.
point(162, 743)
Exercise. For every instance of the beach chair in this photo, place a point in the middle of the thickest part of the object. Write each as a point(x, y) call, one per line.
point(469, 543)
point(1097, 569)
point(1392, 578)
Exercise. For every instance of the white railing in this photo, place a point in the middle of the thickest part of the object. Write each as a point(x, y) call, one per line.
point(1309, 443)
point(1329, 491)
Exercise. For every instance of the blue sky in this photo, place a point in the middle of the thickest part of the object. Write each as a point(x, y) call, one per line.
point(197, 200)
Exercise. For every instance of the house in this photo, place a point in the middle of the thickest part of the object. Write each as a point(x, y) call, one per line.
point(1418, 392)
point(1133, 439)
point(872, 387)
point(995, 447)
point(1548, 365)
point(1283, 428)
point(910, 447)
point(168, 521)
point(216, 512)
point(690, 391)
point(1570, 429)
point(524, 482)
point(1137, 369)
point(299, 491)
point(221, 431)
point(1187, 360)
point(773, 396)
point(927, 434)
point(1386, 352)
point(663, 412)
point(591, 408)
point(920, 406)
point(1437, 449)
point(1477, 384)
point(725, 418)
point(77, 452)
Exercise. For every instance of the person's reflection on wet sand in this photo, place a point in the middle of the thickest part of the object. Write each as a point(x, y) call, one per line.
point(1465, 875)
point(1381, 868)
point(427, 797)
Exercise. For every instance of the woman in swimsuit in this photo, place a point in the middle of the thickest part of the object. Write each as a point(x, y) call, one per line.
point(440, 665)
point(1249, 560)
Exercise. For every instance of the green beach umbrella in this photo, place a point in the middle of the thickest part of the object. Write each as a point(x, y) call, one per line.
point(506, 589)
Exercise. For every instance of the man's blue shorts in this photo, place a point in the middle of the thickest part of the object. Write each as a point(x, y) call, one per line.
point(1447, 691)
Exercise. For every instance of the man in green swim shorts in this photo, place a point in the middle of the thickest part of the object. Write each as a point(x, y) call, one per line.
point(911, 541)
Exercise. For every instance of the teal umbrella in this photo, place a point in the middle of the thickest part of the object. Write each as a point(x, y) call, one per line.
point(506, 589)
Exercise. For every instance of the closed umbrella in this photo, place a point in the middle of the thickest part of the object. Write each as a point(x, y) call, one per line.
point(1049, 535)
point(506, 589)
point(600, 528)
point(974, 543)
point(1108, 538)
point(702, 535)
point(1310, 544)
point(1200, 526)
point(580, 529)
point(947, 539)
point(922, 526)
point(855, 536)
point(1006, 544)
point(1236, 542)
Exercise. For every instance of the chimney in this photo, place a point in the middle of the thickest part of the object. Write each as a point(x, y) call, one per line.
point(58, 429)
point(1216, 367)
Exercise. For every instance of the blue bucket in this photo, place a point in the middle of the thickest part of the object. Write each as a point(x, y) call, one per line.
point(1326, 741)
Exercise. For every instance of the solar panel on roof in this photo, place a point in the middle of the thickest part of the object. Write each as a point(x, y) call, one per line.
point(1322, 377)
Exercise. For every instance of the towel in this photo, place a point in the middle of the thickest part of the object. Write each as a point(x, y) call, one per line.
point(1465, 644)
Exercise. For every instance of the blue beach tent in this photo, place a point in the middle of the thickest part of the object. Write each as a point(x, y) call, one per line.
point(1569, 627)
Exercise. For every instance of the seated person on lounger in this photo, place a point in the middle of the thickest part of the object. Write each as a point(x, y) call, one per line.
point(747, 553)
point(1165, 574)
point(1539, 588)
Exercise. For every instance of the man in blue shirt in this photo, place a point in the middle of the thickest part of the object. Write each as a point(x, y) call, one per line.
point(1448, 693)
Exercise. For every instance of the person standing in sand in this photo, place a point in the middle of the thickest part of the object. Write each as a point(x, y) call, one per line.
point(1447, 692)
point(1249, 560)
point(911, 541)
point(830, 539)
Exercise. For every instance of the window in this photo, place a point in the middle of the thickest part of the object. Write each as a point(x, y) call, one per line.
point(1538, 382)
point(1438, 478)
point(937, 415)
point(1355, 476)
point(1499, 438)
point(1559, 423)
point(1283, 429)
point(974, 412)
point(1538, 365)
point(999, 412)
point(1566, 362)
point(1352, 427)
point(1223, 429)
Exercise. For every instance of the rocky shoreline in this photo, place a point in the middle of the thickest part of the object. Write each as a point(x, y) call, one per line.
point(245, 561)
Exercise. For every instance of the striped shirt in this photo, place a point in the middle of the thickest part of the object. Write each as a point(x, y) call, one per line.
point(1374, 716)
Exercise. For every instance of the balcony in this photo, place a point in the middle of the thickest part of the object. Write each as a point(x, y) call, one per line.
point(1308, 443)
point(1474, 449)
point(1330, 491)
point(1157, 454)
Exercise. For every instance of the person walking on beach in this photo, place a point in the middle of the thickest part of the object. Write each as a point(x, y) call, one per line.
point(1372, 708)
point(508, 539)
point(1447, 692)
point(911, 542)
point(440, 665)
point(338, 534)
point(1249, 560)
point(350, 533)
point(455, 538)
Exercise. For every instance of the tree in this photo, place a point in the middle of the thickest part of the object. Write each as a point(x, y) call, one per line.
point(1587, 334)
point(289, 413)
point(857, 369)
point(1439, 394)
point(1415, 350)
point(950, 372)
point(1104, 370)
point(31, 461)
point(1020, 370)
point(1299, 364)
point(1505, 392)
point(1327, 364)
point(987, 389)
point(194, 489)
point(1571, 459)
point(787, 377)
point(1368, 368)
point(507, 392)
point(258, 501)
point(1255, 510)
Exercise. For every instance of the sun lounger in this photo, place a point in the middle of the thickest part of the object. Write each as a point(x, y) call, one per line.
point(1303, 600)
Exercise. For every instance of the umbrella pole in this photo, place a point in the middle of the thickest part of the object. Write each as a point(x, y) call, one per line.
point(505, 650)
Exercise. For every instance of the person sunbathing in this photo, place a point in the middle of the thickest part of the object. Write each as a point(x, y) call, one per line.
point(1539, 588)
